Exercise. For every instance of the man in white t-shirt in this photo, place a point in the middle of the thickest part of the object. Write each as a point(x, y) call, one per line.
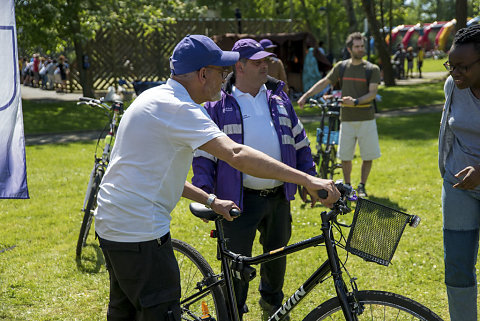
point(146, 178)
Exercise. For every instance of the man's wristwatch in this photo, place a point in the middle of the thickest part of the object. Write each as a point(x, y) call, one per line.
point(355, 102)
point(210, 200)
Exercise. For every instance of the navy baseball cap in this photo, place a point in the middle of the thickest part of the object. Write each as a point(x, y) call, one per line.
point(197, 51)
point(250, 49)
point(267, 43)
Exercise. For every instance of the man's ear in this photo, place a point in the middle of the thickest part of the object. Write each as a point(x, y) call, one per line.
point(202, 75)
point(239, 66)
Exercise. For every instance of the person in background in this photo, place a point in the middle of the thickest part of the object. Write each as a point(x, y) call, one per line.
point(310, 74)
point(459, 162)
point(28, 80)
point(409, 57)
point(320, 48)
point(62, 68)
point(43, 72)
point(146, 177)
point(52, 65)
point(256, 112)
point(276, 69)
point(358, 113)
point(399, 59)
point(420, 57)
point(36, 70)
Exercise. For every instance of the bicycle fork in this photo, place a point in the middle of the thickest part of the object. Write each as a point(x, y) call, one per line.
point(333, 259)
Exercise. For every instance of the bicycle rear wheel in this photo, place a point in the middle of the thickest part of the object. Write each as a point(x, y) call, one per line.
point(378, 305)
point(88, 215)
point(196, 274)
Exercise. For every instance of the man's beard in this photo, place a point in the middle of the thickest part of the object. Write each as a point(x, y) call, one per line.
point(358, 55)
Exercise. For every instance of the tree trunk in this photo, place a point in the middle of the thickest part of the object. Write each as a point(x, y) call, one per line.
point(86, 79)
point(461, 14)
point(352, 20)
point(72, 11)
point(383, 54)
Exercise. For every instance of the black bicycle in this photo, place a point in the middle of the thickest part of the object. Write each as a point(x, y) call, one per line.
point(374, 235)
point(114, 110)
point(327, 137)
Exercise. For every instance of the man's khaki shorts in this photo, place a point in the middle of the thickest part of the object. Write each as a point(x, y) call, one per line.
point(366, 134)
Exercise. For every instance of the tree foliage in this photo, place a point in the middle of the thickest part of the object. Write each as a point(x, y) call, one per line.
point(52, 25)
point(56, 26)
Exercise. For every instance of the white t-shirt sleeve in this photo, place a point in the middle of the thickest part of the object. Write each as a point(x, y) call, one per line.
point(193, 126)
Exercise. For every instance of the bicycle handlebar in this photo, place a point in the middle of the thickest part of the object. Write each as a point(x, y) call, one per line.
point(201, 211)
point(328, 102)
point(88, 99)
point(345, 191)
point(330, 107)
point(100, 103)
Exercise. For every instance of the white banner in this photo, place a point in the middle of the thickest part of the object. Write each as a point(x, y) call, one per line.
point(13, 173)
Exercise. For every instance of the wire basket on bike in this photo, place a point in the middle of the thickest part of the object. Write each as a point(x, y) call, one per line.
point(375, 231)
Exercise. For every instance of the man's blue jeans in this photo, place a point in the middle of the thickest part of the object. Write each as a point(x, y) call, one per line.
point(461, 222)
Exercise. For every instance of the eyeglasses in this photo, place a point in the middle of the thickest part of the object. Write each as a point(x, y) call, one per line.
point(223, 71)
point(462, 69)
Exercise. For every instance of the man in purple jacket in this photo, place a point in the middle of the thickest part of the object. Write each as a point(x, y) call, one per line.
point(255, 111)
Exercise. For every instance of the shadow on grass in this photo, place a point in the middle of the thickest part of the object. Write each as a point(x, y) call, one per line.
point(386, 202)
point(91, 260)
point(47, 117)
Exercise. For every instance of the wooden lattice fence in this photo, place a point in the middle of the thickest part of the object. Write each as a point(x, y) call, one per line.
point(135, 54)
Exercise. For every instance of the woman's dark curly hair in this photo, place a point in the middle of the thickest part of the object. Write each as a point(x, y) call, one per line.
point(468, 35)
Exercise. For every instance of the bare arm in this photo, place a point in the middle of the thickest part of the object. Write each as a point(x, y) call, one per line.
point(318, 87)
point(218, 206)
point(255, 163)
point(363, 100)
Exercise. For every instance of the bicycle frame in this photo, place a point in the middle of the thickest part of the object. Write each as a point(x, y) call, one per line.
point(326, 165)
point(330, 266)
point(102, 163)
point(114, 111)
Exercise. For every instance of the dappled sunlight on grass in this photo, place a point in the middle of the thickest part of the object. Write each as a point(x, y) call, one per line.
point(50, 117)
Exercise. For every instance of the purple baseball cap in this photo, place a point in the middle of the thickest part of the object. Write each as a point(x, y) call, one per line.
point(250, 49)
point(267, 43)
point(197, 51)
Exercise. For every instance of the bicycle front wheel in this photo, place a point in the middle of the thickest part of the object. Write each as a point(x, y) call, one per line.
point(195, 275)
point(378, 305)
point(88, 215)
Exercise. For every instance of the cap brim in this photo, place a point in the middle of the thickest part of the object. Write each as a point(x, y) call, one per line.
point(271, 46)
point(261, 55)
point(228, 58)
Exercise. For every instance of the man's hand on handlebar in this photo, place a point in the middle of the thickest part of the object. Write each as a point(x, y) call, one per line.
point(348, 101)
point(223, 208)
point(323, 184)
point(301, 102)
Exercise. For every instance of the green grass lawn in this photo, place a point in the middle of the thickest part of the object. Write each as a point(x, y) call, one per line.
point(61, 116)
point(39, 278)
point(431, 65)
